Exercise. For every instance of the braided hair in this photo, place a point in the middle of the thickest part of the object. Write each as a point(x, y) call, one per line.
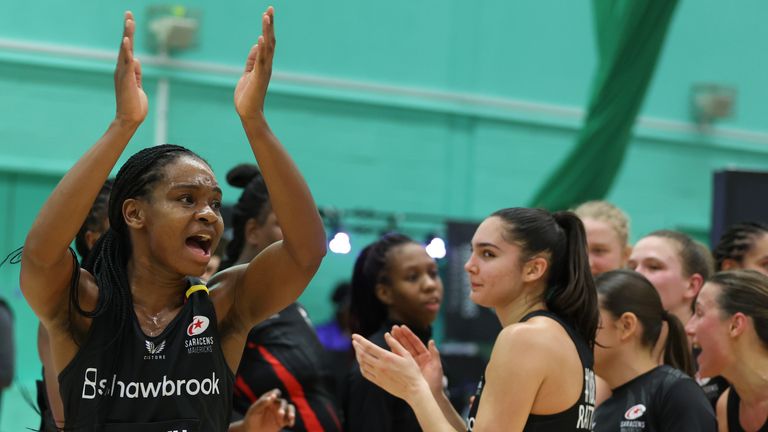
point(95, 220)
point(108, 259)
point(737, 241)
point(367, 312)
point(252, 204)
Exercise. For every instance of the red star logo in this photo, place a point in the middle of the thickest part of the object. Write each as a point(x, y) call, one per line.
point(197, 324)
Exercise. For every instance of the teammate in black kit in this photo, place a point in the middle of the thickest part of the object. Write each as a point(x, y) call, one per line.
point(531, 267)
point(731, 328)
point(282, 351)
point(394, 281)
point(677, 266)
point(138, 344)
point(645, 396)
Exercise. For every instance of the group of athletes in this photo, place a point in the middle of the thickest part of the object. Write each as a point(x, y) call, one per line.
point(596, 334)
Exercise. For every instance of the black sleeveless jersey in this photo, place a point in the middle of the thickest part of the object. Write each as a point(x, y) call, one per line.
point(123, 380)
point(732, 411)
point(578, 417)
point(283, 352)
point(663, 399)
point(368, 407)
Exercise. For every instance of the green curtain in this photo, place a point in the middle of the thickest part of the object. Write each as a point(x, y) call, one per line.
point(630, 35)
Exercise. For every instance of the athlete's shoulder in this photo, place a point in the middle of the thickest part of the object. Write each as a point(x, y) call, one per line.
point(538, 340)
point(537, 333)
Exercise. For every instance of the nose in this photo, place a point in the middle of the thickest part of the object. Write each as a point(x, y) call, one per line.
point(470, 266)
point(207, 215)
point(430, 282)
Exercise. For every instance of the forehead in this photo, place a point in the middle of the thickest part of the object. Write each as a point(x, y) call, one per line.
point(660, 248)
point(491, 230)
point(760, 246)
point(599, 231)
point(708, 294)
point(189, 170)
point(410, 254)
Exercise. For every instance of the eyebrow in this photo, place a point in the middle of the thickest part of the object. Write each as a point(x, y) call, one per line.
point(486, 244)
point(194, 186)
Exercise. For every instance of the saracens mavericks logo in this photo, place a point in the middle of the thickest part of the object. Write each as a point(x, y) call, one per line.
point(201, 344)
point(632, 417)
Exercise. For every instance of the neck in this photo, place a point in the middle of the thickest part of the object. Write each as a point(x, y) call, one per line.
point(627, 365)
point(513, 312)
point(155, 290)
point(749, 373)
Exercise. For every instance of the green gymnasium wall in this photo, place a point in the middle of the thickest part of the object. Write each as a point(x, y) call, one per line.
point(453, 108)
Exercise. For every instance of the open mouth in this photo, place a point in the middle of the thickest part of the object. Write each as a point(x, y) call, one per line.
point(200, 243)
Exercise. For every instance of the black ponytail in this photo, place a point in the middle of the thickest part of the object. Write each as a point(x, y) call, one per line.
point(571, 293)
point(676, 351)
point(252, 204)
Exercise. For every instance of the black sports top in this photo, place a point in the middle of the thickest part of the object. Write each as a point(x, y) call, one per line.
point(368, 407)
point(734, 425)
point(663, 399)
point(578, 417)
point(123, 380)
point(284, 352)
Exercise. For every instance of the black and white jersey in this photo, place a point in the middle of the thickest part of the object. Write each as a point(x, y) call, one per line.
point(578, 417)
point(122, 380)
point(663, 399)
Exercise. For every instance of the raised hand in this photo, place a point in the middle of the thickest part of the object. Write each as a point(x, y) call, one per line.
point(132, 104)
point(269, 413)
point(252, 87)
point(427, 358)
point(395, 371)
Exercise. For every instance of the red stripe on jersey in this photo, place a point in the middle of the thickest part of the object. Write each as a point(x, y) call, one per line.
point(241, 385)
point(295, 392)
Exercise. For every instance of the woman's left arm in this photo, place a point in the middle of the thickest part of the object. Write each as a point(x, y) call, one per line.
point(279, 274)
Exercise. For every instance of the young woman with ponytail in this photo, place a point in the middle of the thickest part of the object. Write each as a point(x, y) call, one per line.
point(656, 398)
point(394, 282)
point(531, 267)
point(138, 343)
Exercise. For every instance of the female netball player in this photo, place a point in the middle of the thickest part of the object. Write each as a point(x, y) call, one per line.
point(676, 265)
point(531, 267)
point(394, 281)
point(283, 350)
point(645, 396)
point(607, 229)
point(730, 326)
point(136, 342)
point(743, 246)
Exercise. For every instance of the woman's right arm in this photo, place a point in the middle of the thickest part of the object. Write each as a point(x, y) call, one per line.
point(47, 266)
